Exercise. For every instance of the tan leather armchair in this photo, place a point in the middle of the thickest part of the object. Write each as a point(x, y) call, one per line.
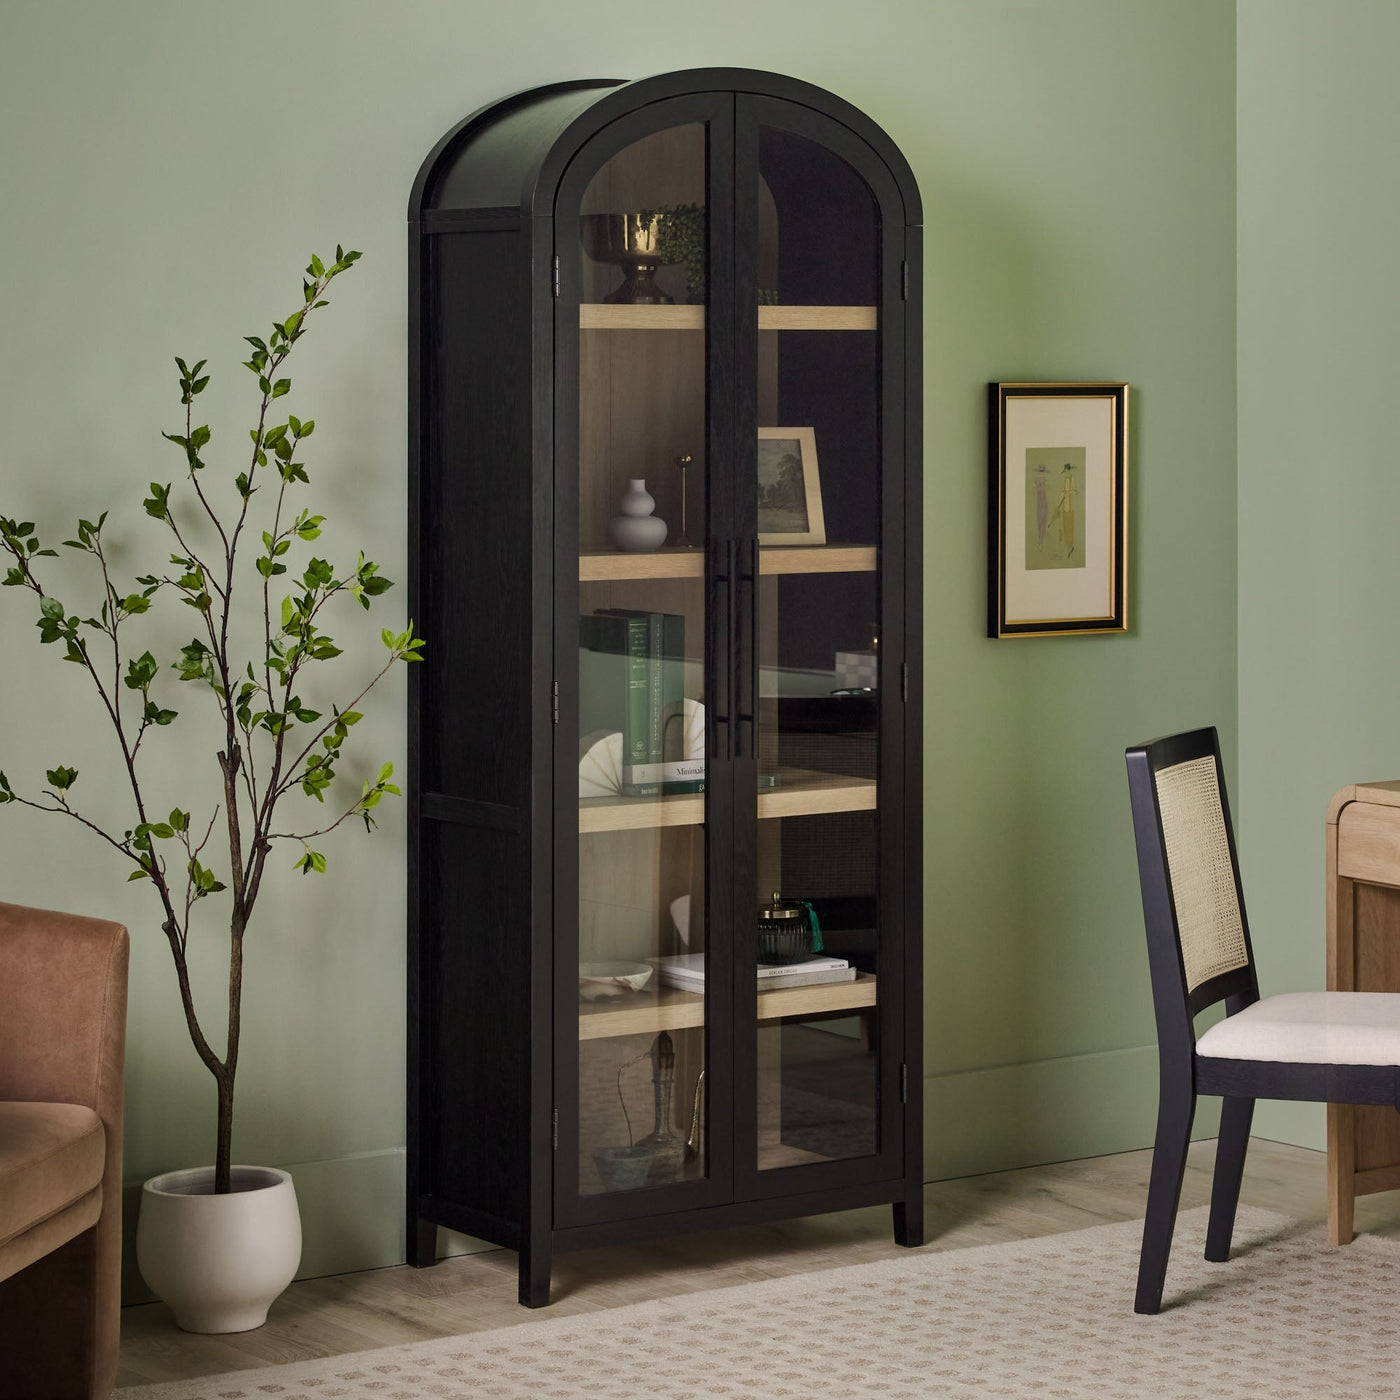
point(62, 1043)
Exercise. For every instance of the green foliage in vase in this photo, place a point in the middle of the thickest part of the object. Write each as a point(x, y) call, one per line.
point(232, 555)
point(680, 238)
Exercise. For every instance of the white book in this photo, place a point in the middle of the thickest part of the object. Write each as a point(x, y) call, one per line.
point(687, 972)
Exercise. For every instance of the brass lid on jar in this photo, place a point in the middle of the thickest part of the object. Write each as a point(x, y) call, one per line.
point(778, 910)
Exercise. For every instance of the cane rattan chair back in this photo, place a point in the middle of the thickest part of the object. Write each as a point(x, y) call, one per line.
point(1329, 1047)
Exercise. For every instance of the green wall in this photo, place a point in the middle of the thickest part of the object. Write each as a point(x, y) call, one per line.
point(169, 168)
point(1319, 495)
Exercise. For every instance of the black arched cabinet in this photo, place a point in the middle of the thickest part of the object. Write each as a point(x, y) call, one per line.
point(685, 307)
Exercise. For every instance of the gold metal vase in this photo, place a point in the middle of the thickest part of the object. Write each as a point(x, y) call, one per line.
point(632, 243)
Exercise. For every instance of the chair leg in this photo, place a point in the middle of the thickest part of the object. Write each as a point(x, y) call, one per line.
point(1175, 1111)
point(1235, 1117)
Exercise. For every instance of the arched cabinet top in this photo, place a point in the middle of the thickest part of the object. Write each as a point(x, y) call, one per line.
point(512, 154)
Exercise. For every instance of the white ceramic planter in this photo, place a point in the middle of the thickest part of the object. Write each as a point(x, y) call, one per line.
point(219, 1261)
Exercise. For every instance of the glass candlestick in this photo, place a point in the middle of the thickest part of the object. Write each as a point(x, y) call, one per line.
point(667, 1146)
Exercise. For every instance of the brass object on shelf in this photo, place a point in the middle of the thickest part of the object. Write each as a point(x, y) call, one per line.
point(683, 462)
point(634, 243)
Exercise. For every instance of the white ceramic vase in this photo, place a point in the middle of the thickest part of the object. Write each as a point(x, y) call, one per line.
point(219, 1261)
point(637, 530)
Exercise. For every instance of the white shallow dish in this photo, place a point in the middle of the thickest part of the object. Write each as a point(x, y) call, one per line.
point(612, 979)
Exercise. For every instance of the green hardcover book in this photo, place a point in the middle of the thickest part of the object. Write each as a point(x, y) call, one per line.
point(679, 774)
point(614, 684)
point(652, 770)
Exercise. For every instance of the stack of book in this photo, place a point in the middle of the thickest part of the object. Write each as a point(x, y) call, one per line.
point(632, 679)
point(687, 972)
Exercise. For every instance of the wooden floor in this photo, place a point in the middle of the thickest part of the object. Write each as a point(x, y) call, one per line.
point(381, 1307)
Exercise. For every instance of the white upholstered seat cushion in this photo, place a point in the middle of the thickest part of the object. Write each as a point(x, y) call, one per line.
point(1315, 1028)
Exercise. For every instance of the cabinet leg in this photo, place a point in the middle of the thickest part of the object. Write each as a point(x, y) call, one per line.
point(422, 1243)
point(909, 1219)
point(535, 1265)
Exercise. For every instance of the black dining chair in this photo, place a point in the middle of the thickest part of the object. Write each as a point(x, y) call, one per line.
point(1322, 1047)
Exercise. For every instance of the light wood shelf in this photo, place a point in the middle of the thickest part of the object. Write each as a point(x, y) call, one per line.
point(817, 318)
point(801, 793)
point(605, 316)
point(669, 1009)
point(614, 566)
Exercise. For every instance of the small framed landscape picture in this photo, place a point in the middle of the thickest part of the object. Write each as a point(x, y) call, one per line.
point(1058, 518)
point(789, 492)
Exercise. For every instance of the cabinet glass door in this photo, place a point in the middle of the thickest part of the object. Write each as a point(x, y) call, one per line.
point(817, 628)
point(635, 286)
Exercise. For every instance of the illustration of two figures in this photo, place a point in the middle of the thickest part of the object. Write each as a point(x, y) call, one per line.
point(1054, 493)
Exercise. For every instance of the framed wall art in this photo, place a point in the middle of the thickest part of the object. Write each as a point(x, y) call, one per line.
point(1058, 519)
point(789, 492)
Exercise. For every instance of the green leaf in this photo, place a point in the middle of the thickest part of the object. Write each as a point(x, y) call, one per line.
point(281, 387)
point(136, 603)
point(51, 608)
point(153, 714)
point(157, 504)
point(61, 779)
point(386, 772)
point(179, 820)
point(137, 875)
point(193, 664)
point(319, 573)
point(141, 672)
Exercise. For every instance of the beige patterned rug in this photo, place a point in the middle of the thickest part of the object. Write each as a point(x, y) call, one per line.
point(1288, 1317)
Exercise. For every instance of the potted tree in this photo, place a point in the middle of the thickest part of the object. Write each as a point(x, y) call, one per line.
point(219, 1243)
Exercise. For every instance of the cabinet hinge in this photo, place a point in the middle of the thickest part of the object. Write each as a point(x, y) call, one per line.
point(556, 702)
point(904, 1083)
point(554, 1131)
point(904, 681)
point(554, 277)
point(904, 281)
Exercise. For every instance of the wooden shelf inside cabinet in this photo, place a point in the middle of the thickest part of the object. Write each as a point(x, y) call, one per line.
point(604, 316)
point(614, 566)
point(670, 1009)
point(801, 793)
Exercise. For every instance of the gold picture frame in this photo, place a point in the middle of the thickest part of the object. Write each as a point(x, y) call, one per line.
point(1057, 551)
point(789, 490)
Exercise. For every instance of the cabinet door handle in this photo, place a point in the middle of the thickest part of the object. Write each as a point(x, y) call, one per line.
point(746, 654)
point(719, 641)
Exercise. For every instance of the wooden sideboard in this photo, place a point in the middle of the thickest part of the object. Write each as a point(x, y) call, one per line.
point(1363, 955)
